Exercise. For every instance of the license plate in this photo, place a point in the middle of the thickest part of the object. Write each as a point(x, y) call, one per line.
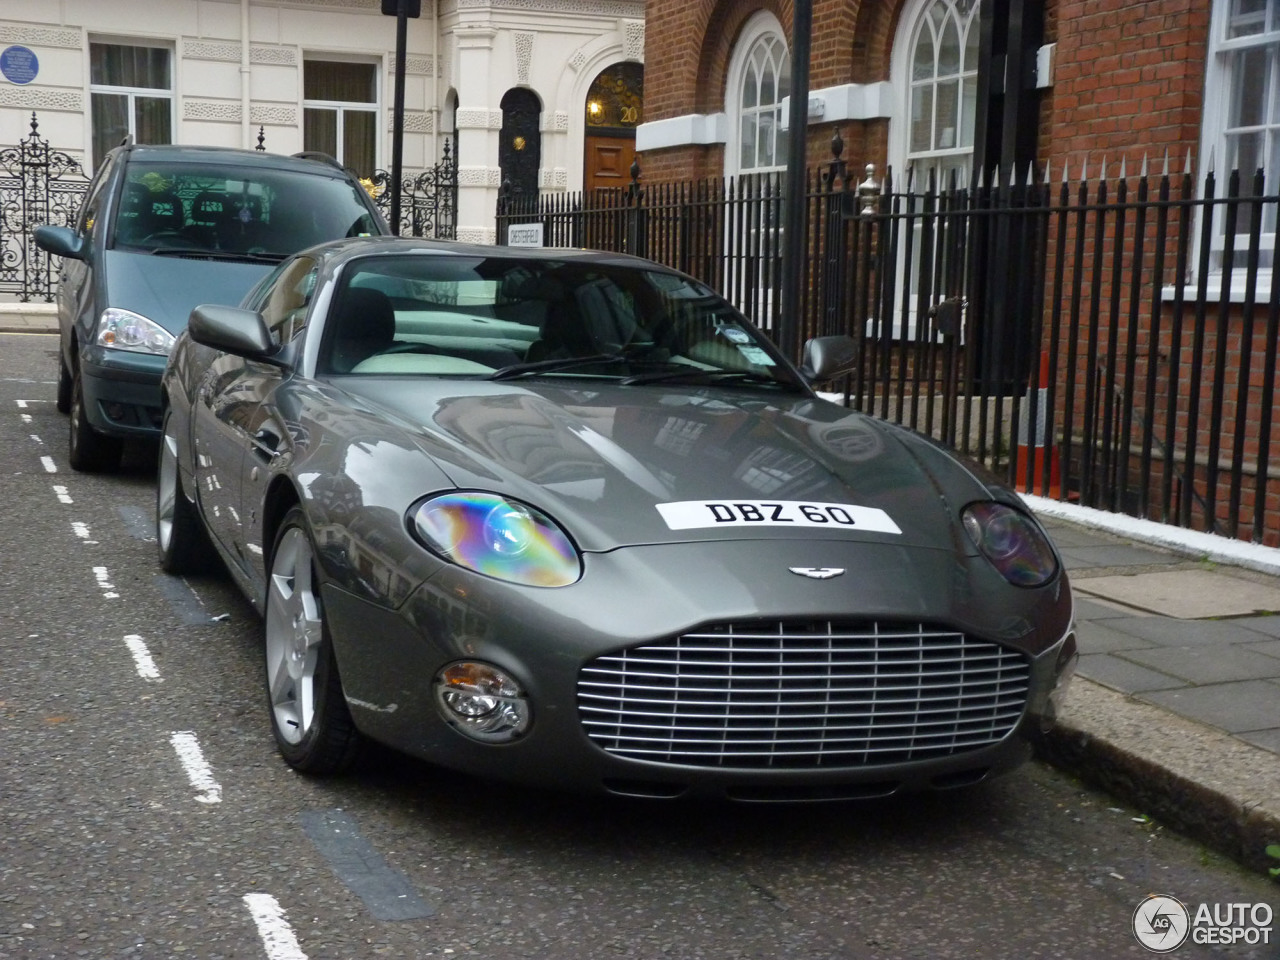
point(709, 514)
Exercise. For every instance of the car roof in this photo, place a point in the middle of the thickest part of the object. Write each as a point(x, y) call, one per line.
point(338, 252)
point(231, 156)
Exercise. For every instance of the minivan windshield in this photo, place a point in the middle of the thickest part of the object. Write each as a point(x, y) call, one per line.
point(235, 210)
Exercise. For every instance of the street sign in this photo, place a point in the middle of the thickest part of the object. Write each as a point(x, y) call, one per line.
point(524, 235)
point(412, 8)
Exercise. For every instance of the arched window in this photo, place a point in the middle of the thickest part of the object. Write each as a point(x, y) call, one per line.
point(759, 77)
point(942, 71)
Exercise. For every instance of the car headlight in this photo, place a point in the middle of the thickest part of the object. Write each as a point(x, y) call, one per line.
point(482, 701)
point(497, 537)
point(1012, 541)
point(126, 330)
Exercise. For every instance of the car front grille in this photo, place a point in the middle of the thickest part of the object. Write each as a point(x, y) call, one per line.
point(803, 695)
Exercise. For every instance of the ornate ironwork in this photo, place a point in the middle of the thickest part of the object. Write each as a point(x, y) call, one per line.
point(519, 143)
point(38, 185)
point(428, 201)
point(616, 98)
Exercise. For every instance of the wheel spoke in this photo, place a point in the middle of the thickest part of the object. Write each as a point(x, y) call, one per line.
point(295, 631)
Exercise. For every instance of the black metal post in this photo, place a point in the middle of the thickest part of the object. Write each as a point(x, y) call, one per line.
point(793, 249)
point(397, 128)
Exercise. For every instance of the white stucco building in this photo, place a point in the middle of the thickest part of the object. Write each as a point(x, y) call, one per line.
point(509, 83)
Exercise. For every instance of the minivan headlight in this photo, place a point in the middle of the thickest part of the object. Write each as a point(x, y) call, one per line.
point(126, 330)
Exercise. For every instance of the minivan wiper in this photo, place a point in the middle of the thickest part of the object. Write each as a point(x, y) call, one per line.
point(205, 253)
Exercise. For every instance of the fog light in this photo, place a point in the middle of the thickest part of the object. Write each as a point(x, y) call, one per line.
point(482, 701)
point(1063, 670)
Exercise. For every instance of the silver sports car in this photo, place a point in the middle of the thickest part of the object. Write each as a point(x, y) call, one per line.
point(569, 519)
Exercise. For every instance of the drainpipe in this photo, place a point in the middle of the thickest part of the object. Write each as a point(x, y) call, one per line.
point(435, 83)
point(245, 123)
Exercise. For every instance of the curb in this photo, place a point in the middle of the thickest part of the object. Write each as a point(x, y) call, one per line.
point(1204, 783)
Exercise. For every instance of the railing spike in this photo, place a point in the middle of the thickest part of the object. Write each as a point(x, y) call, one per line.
point(1102, 174)
point(1124, 169)
point(1166, 162)
point(1144, 165)
point(1084, 168)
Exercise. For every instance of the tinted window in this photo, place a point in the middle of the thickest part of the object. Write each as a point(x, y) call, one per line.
point(469, 315)
point(235, 209)
point(285, 309)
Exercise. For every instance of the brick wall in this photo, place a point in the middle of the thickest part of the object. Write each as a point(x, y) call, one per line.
point(1128, 80)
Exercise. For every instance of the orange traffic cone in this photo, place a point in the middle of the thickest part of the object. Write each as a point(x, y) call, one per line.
point(1037, 450)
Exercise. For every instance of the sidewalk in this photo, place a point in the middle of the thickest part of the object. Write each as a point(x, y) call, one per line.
point(28, 317)
point(1176, 703)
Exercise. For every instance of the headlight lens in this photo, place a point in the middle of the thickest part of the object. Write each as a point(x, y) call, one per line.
point(498, 537)
point(1012, 541)
point(126, 330)
point(482, 701)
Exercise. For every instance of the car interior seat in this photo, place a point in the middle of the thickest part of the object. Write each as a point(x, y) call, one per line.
point(145, 212)
point(364, 325)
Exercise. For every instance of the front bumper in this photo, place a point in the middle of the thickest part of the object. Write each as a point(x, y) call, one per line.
point(122, 391)
point(388, 658)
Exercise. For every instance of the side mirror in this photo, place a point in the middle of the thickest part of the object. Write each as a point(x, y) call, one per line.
point(826, 358)
point(61, 242)
point(240, 332)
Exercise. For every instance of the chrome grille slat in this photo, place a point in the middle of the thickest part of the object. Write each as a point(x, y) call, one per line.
point(798, 695)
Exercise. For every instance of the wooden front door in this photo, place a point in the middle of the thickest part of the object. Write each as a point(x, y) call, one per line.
point(609, 162)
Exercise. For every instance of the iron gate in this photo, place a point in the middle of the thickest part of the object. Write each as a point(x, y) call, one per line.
point(38, 185)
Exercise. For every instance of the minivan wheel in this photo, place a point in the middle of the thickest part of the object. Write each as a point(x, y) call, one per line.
point(63, 402)
point(88, 450)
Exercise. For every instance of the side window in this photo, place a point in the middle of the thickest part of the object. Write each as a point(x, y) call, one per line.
point(92, 206)
point(285, 308)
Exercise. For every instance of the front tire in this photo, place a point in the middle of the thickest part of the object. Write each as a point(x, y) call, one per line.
point(88, 450)
point(183, 544)
point(309, 717)
point(63, 403)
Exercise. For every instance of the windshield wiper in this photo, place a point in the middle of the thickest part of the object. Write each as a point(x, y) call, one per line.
point(703, 376)
point(206, 254)
point(556, 363)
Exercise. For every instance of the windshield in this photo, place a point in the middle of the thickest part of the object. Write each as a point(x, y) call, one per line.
point(235, 210)
point(505, 317)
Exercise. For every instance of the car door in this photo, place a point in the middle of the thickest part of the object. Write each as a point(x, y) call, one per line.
point(236, 437)
point(75, 277)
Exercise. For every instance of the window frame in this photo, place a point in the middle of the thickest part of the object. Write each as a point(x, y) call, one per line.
point(343, 107)
point(131, 93)
point(760, 26)
point(1216, 130)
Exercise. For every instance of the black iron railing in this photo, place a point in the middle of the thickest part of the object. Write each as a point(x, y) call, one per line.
point(37, 185)
point(1109, 339)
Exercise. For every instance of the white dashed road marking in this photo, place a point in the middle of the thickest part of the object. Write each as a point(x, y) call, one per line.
point(49, 465)
point(147, 669)
point(277, 936)
point(104, 581)
point(198, 772)
point(61, 493)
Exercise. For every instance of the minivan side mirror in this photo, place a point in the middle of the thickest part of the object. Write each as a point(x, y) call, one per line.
point(826, 358)
point(61, 242)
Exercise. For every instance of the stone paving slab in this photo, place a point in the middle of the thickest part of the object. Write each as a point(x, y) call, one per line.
point(1123, 675)
point(1114, 555)
point(1168, 632)
point(1097, 637)
point(1185, 594)
point(1245, 706)
point(1207, 663)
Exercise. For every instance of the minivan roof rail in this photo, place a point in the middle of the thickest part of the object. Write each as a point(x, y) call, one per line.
point(321, 156)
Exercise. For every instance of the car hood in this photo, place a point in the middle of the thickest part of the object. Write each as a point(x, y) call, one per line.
point(619, 466)
point(165, 289)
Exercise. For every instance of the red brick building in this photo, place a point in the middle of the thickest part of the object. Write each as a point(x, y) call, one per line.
point(925, 84)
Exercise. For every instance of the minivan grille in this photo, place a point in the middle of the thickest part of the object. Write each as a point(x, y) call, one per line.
point(803, 695)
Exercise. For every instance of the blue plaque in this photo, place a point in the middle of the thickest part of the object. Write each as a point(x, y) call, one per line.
point(19, 64)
